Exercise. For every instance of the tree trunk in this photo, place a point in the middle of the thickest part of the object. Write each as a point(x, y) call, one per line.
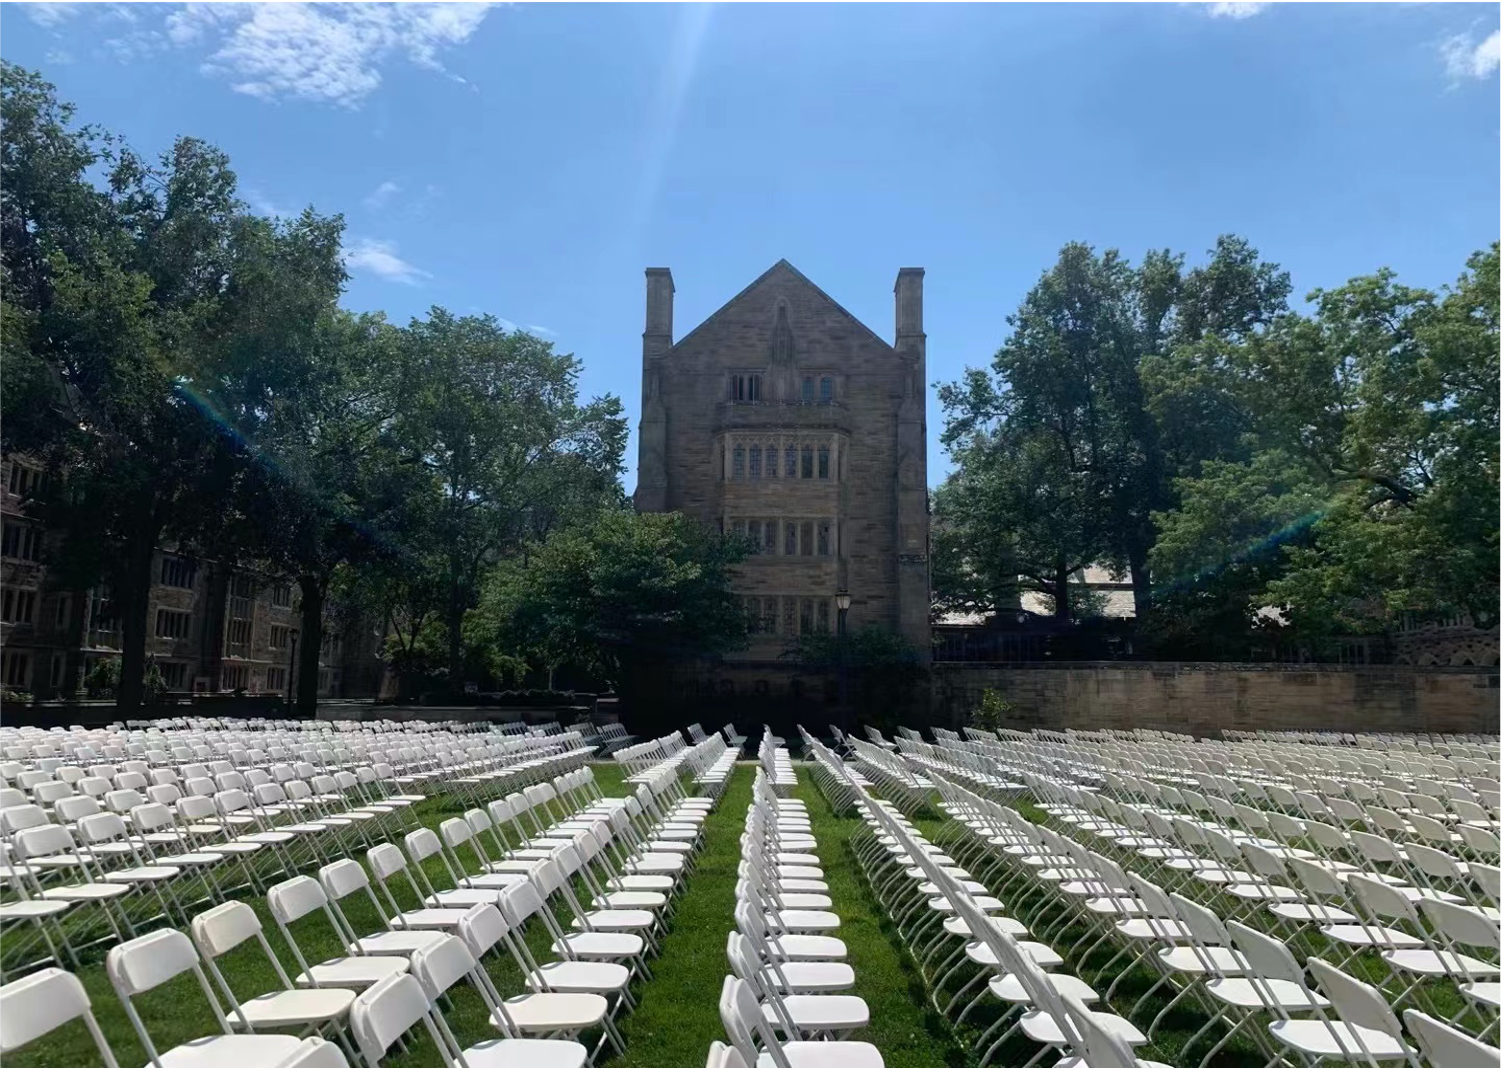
point(311, 642)
point(454, 617)
point(132, 596)
point(1142, 585)
point(1061, 606)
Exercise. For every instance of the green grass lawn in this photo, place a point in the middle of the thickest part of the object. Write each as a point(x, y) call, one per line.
point(676, 1017)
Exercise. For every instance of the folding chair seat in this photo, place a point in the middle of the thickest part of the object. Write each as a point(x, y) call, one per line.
point(788, 945)
point(345, 877)
point(568, 975)
point(300, 896)
point(1458, 926)
point(796, 1015)
point(142, 964)
point(746, 1026)
point(1364, 1029)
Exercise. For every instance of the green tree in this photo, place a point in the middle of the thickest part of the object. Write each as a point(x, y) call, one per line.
point(1371, 475)
point(494, 419)
point(621, 596)
point(1069, 402)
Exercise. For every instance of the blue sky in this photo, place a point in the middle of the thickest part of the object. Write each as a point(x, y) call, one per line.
point(530, 160)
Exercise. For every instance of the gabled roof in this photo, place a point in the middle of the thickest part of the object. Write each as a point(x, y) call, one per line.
point(783, 265)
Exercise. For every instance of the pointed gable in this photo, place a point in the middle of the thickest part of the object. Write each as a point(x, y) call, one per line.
point(789, 304)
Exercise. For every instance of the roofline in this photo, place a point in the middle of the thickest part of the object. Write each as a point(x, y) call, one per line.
point(807, 281)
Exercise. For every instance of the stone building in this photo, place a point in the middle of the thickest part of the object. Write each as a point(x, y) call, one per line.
point(784, 417)
point(209, 627)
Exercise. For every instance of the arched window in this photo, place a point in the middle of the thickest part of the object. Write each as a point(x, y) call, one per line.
point(756, 461)
point(806, 616)
point(808, 461)
point(823, 461)
point(806, 539)
point(808, 390)
point(790, 539)
point(824, 537)
point(826, 390)
point(738, 463)
point(769, 531)
point(771, 461)
point(824, 616)
point(790, 462)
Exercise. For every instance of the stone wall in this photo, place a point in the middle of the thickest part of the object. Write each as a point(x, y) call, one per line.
point(1203, 699)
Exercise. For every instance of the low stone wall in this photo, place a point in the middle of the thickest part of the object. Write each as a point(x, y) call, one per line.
point(1203, 699)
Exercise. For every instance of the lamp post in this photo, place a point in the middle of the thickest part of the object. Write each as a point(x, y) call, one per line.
point(842, 606)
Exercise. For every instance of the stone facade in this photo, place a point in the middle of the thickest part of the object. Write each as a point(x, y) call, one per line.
point(1204, 699)
point(783, 417)
point(209, 627)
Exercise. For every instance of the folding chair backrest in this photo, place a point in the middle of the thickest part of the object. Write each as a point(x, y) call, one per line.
point(1269, 958)
point(481, 927)
point(224, 927)
point(38, 1003)
point(1445, 1047)
point(388, 1010)
point(1460, 924)
point(292, 900)
point(442, 964)
point(316, 1053)
point(1355, 1002)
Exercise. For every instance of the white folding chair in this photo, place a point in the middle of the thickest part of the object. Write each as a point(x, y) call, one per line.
point(40, 1003)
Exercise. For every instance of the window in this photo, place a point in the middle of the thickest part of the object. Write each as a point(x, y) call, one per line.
point(769, 536)
point(738, 462)
point(174, 674)
point(823, 461)
point(752, 607)
point(59, 668)
point(332, 644)
point(64, 611)
point(242, 586)
point(806, 615)
point(753, 534)
point(281, 595)
point(103, 618)
point(769, 615)
point(325, 679)
point(790, 539)
point(238, 632)
point(17, 606)
point(808, 461)
point(24, 480)
point(790, 462)
point(745, 387)
point(823, 539)
point(756, 461)
point(171, 623)
point(276, 679)
point(234, 676)
point(806, 539)
point(279, 636)
point(771, 461)
point(789, 615)
point(807, 392)
point(178, 572)
point(21, 541)
point(823, 619)
point(17, 668)
point(826, 390)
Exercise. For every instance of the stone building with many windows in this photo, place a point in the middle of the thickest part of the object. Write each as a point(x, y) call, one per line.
point(209, 628)
point(784, 418)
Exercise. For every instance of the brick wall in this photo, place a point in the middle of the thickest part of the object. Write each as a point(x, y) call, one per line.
point(1203, 699)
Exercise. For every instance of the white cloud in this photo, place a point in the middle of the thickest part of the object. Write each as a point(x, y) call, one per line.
point(1465, 58)
point(381, 195)
point(59, 56)
point(540, 331)
point(50, 14)
point(380, 258)
point(264, 205)
point(1235, 9)
point(329, 53)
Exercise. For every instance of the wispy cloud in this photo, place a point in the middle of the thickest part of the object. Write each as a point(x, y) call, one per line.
point(381, 195)
point(329, 53)
point(1466, 58)
point(46, 13)
point(540, 331)
point(380, 258)
point(1235, 9)
point(60, 56)
point(264, 205)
